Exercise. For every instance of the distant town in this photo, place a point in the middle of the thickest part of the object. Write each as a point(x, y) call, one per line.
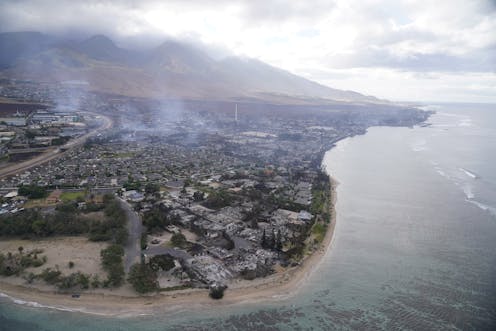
point(209, 196)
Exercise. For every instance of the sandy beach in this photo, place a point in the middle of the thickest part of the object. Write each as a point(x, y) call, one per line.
point(123, 302)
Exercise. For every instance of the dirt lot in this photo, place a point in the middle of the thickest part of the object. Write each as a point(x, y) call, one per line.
point(59, 251)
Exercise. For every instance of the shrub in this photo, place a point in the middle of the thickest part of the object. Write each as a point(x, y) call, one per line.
point(50, 276)
point(84, 281)
point(217, 291)
point(27, 261)
point(95, 282)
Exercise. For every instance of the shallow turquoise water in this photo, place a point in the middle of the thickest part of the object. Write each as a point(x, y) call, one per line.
point(414, 246)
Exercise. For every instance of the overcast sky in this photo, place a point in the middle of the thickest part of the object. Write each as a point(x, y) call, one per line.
point(442, 50)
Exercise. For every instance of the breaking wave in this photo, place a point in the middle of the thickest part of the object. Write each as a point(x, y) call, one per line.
point(490, 209)
point(35, 304)
point(469, 173)
point(419, 145)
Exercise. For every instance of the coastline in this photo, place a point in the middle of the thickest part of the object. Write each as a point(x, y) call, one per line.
point(275, 287)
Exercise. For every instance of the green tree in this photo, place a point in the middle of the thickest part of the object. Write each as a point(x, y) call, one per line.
point(95, 282)
point(218, 199)
point(217, 291)
point(143, 278)
point(143, 240)
point(112, 261)
point(120, 236)
point(151, 188)
point(32, 191)
point(164, 262)
point(178, 240)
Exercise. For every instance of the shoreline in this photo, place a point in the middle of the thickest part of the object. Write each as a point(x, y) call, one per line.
point(275, 287)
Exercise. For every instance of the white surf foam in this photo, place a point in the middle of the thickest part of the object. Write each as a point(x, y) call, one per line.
point(441, 172)
point(469, 173)
point(466, 122)
point(490, 209)
point(419, 145)
point(467, 189)
point(430, 107)
point(35, 304)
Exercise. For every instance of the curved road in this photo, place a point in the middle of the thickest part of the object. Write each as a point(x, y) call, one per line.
point(53, 154)
point(133, 245)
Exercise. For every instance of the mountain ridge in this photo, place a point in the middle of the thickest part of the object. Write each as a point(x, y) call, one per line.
point(173, 69)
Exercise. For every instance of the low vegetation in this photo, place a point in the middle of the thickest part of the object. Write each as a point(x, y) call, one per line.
point(158, 218)
point(218, 199)
point(113, 228)
point(319, 231)
point(75, 279)
point(112, 262)
point(217, 291)
point(55, 277)
point(33, 191)
point(321, 191)
point(73, 196)
point(178, 240)
point(14, 264)
point(143, 240)
point(163, 262)
point(132, 184)
point(143, 278)
point(69, 219)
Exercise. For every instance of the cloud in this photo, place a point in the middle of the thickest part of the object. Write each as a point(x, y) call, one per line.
point(418, 37)
point(476, 61)
point(66, 17)
point(400, 85)
point(276, 12)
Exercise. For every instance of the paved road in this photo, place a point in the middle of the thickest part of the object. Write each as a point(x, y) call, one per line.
point(54, 153)
point(135, 228)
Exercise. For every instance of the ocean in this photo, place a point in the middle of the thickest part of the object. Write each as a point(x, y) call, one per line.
point(414, 246)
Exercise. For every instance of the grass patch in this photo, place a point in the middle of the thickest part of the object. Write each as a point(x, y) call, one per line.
point(73, 196)
point(319, 231)
point(174, 288)
point(36, 203)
